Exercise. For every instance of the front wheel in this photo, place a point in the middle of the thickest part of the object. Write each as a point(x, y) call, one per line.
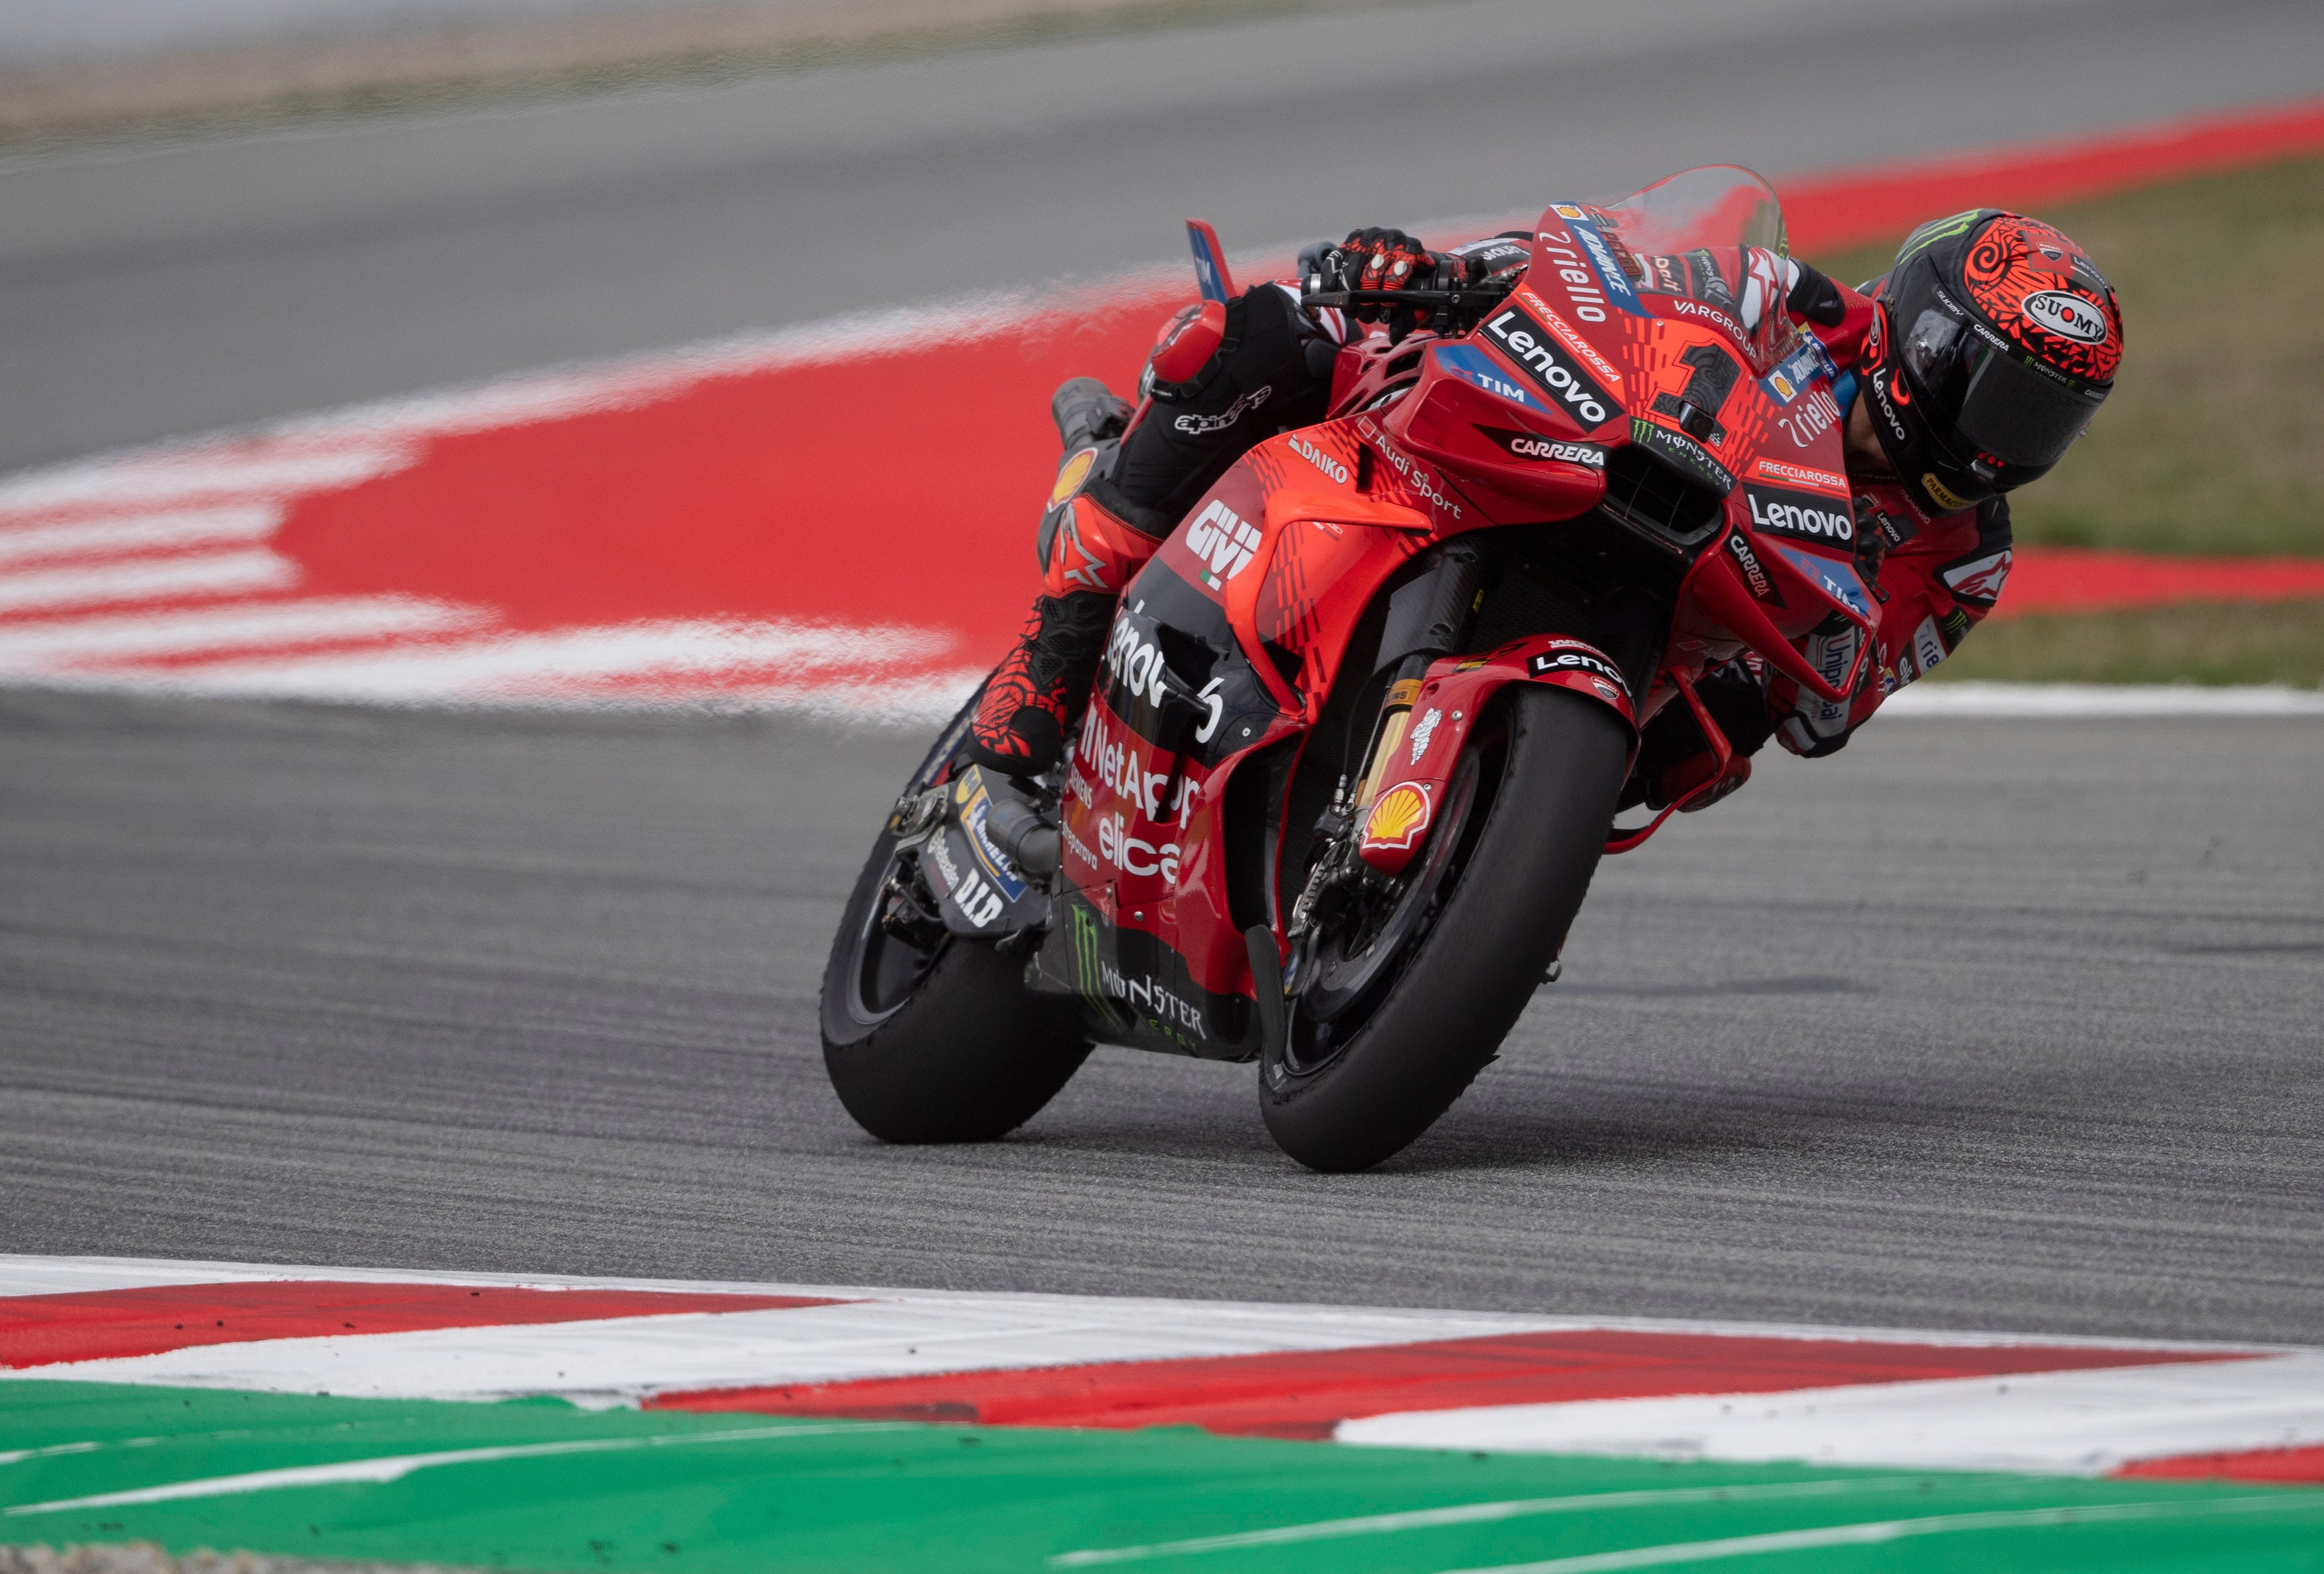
point(926, 1037)
point(1404, 996)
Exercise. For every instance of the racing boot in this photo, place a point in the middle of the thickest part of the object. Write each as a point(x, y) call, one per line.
point(1087, 552)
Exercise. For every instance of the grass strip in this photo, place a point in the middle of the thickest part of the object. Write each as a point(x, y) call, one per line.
point(2203, 643)
point(543, 1486)
point(2213, 441)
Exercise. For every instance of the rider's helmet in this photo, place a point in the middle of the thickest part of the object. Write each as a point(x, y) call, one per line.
point(1995, 341)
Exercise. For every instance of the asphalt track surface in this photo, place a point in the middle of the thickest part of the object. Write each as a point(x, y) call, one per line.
point(1979, 1025)
point(1995, 1024)
point(148, 289)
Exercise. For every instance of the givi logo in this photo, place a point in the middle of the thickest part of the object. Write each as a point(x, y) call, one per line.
point(1223, 541)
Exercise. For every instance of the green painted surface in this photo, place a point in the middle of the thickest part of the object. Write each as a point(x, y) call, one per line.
point(540, 1484)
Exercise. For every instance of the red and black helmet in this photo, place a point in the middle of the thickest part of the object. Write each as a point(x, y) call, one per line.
point(1994, 342)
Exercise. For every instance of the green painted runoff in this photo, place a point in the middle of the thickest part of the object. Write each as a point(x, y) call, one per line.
point(544, 1485)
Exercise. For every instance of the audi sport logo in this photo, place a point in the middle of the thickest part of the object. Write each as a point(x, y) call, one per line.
point(1800, 516)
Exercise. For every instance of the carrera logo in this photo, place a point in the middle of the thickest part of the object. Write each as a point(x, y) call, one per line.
point(1399, 817)
point(1546, 663)
point(1527, 342)
point(1754, 574)
point(1223, 541)
point(1800, 475)
point(1525, 445)
point(1799, 516)
point(2066, 315)
point(1320, 460)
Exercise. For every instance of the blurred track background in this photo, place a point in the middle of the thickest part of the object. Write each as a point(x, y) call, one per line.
point(1979, 1024)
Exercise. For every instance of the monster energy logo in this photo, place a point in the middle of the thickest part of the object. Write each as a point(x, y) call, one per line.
point(1089, 967)
point(1936, 230)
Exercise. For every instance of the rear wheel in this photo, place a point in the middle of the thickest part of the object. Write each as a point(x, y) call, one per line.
point(926, 1037)
point(1404, 994)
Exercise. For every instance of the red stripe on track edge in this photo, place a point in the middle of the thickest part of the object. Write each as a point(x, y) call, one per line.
point(1307, 1394)
point(38, 1330)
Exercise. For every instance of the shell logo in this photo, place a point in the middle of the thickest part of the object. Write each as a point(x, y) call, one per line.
point(1071, 475)
point(1399, 817)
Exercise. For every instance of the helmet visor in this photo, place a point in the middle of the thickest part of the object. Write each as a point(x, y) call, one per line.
point(1984, 398)
point(2018, 414)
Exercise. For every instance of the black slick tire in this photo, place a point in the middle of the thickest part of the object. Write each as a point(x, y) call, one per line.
point(1555, 762)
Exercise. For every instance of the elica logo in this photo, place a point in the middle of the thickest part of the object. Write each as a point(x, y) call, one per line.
point(2067, 316)
point(1800, 516)
point(1224, 539)
point(1317, 458)
point(1526, 342)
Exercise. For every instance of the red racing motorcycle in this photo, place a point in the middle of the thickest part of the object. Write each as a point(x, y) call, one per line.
point(1365, 719)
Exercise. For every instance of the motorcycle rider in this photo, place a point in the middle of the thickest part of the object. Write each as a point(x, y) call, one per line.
point(1966, 370)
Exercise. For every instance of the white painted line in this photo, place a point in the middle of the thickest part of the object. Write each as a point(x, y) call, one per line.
point(211, 470)
point(29, 648)
point(1426, 1519)
point(2085, 1422)
point(579, 663)
point(2124, 700)
point(247, 524)
point(621, 1358)
point(396, 1467)
point(1881, 1532)
point(148, 580)
point(36, 1275)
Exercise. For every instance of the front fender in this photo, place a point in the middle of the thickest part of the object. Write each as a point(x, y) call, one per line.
point(1453, 693)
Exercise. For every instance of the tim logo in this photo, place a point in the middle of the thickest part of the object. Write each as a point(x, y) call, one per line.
point(1223, 541)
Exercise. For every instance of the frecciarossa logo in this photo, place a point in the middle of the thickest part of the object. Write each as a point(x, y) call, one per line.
point(1530, 345)
point(1802, 516)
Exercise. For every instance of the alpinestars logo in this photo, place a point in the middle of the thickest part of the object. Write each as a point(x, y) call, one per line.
point(1978, 580)
point(1529, 345)
point(1197, 425)
point(1223, 541)
point(1800, 516)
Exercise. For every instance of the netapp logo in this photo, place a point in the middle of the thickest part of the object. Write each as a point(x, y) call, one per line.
point(1800, 516)
point(1528, 344)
